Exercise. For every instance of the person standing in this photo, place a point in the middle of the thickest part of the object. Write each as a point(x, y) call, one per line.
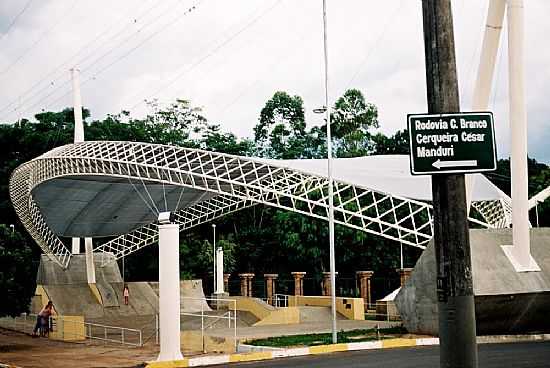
point(126, 294)
point(43, 319)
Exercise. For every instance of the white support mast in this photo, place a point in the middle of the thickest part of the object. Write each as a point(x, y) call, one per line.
point(520, 252)
point(78, 131)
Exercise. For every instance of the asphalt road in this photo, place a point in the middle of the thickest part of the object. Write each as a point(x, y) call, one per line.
point(516, 355)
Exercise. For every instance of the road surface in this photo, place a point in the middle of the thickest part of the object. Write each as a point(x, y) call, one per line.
point(516, 355)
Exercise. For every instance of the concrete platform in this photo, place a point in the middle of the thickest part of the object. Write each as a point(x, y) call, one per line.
point(506, 301)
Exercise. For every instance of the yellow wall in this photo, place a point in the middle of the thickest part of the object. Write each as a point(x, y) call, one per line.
point(69, 328)
point(268, 315)
point(355, 311)
point(192, 342)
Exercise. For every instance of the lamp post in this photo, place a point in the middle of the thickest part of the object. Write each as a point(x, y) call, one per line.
point(326, 109)
point(214, 257)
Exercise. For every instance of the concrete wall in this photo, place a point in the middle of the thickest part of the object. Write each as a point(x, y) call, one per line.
point(506, 301)
point(267, 314)
point(351, 308)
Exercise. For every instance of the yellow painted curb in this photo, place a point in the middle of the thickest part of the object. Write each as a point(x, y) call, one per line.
point(324, 349)
point(398, 343)
point(169, 364)
point(248, 357)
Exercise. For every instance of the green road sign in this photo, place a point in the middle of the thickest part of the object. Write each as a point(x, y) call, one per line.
point(452, 143)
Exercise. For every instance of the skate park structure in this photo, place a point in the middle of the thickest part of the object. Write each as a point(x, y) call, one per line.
point(118, 189)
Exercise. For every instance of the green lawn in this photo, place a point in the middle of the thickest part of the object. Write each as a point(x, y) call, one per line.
point(326, 338)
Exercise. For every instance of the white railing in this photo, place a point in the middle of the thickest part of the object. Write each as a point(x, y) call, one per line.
point(279, 300)
point(93, 331)
point(387, 315)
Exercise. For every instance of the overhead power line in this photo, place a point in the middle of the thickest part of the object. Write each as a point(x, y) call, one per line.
point(15, 19)
point(51, 79)
point(121, 57)
point(209, 54)
point(54, 25)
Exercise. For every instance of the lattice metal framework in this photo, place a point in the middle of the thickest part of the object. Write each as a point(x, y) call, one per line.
point(238, 182)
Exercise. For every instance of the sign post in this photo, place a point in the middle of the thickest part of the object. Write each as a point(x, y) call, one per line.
point(452, 143)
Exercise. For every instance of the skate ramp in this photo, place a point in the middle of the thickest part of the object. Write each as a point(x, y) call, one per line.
point(506, 301)
point(192, 298)
point(50, 273)
point(72, 295)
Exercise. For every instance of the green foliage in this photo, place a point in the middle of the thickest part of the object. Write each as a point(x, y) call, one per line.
point(352, 119)
point(326, 338)
point(18, 266)
point(281, 131)
point(397, 144)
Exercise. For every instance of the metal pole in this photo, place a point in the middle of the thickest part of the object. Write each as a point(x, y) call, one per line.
point(214, 258)
point(537, 212)
point(457, 329)
point(330, 183)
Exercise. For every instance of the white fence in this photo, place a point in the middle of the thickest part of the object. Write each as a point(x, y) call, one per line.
point(92, 331)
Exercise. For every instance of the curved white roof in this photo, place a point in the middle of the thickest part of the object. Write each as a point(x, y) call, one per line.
point(386, 173)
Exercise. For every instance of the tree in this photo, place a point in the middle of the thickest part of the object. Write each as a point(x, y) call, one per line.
point(397, 144)
point(352, 119)
point(17, 265)
point(281, 131)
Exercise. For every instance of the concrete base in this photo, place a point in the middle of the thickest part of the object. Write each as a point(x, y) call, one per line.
point(532, 266)
point(506, 301)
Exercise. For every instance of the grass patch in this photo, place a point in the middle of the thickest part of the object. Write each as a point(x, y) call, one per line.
point(326, 338)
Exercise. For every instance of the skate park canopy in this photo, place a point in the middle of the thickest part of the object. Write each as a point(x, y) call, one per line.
point(116, 189)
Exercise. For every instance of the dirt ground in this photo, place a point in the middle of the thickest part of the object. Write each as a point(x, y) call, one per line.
point(25, 351)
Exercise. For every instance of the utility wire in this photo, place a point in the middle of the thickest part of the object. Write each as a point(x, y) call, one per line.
point(54, 25)
point(121, 57)
point(205, 57)
point(96, 60)
point(380, 37)
point(63, 65)
point(15, 19)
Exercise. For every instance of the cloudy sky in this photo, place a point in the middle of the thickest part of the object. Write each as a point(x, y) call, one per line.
point(231, 56)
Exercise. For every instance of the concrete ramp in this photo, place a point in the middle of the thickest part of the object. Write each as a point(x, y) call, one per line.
point(192, 298)
point(73, 300)
point(72, 295)
point(506, 301)
point(316, 314)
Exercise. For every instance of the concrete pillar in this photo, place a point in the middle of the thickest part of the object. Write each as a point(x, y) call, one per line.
point(326, 283)
point(404, 274)
point(219, 271)
point(270, 285)
point(75, 249)
point(246, 284)
point(169, 293)
point(298, 282)
point(364, 286)
point(90, 266)
point(226, 282)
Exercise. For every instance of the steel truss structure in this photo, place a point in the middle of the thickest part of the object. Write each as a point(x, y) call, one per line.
point(236, 183)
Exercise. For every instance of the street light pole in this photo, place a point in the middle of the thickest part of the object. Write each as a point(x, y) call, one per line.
point(214, 257)
point(330, 182)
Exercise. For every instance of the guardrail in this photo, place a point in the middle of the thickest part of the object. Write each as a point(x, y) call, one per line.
point(93, 331)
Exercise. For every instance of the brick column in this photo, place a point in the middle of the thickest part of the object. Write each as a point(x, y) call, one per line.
point(226, 282)
point(270, 285)
point(326, 283)
point(364, 286)
point(246, 283)
point(298, 282)
point(404, 274)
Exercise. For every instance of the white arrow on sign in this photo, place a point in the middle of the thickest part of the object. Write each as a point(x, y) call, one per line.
point(461, 163)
